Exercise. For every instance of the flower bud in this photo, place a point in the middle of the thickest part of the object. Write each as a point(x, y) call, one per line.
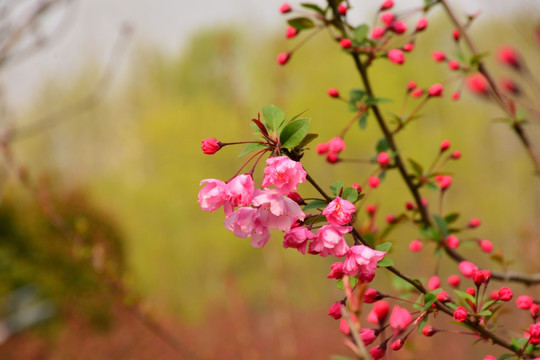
point(505, 294)
point(383, 159)
point(443, 296)
point(481, 276)
point(435, 90)
point(456, 95)
point(345, 43)
point(452, 241)
point(322, 148)
point(460, 314)
point(478, 84)
point(417, 93)
point(291, 32)
point(467, 268)
point(421, 24)
point(408, 47)
point(535, 310)
point(390, 219)
point(486, 246)
point(474, 222)
point(411, 85)
point(399, 27)
point(453, 65)
point(342, 9)
point(470, 291)
point(508, 56)
point(456, 155)
point(379, 313)
point(358, 187)
point(211, 146)
point(285, 8)
point(377, 352)
point(454, 280)
point(494, 295)
point(524, 302)
point(377, 32)
point(387, 4)
point(456, 35)
point(335, 310)
point(445, 145)
point(428, 331)
point(333, 93)
point(332, 158)
point(283, 58)
point(438, 56)
point(368, 336)
point(434, 283)
point(387, 18)
point(396, 56)
point(374, 181)
point(398, 344)
point(415, 245)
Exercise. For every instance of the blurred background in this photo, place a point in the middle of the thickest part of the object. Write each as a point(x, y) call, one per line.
point(104, 251)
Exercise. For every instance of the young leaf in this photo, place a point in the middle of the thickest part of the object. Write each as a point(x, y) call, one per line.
point(450, 218)
point(384, 246)
point(336, 187)
point(418, 169)
point(307, 139)
point(350, 194)
point(441, 224)
point(258, 127)
point(294, 133)
point(356, 95)
point(464, 295)
point(301, 23)
point(361, 32)
point(273, 116)
point(362, 122)
point(382, 145)
point(313, 7)
point(250, 147)
point(386, 262)
point(315, 204)
point(374, 101)
point(429, 299)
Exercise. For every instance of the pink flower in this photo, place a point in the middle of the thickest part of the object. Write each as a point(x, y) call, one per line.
point(387, 18)
point(378, 314)
point(397, 345)
point(415, 245)
point(372, 295)
point(486, 246)
point(460, 314)
point(435, 90)
point(336, 145)
point(368, 336)
point(477, 84)
point(284, 173)
point(377, 32)
point(335, 310)
point(421, 24)
point(505, 294)
point(454, 280)
point(374, 181)
point(456, 35)
point(333, 93)
point(524, 302)
point(400, 319)
point(438, 56)
point(298, 238)
point(481, 276)
point(213, 195)
point(443, 296)
point(291, 32)
point(339, 211)
point(396, 56)
point(245, 222)
point(276, 211)
point(210, 146)
point(534, 331)
point(337, 271)
point(285, 8)
point(330, 241)
point(467, 268)
point(362, 261)
point(377, 352)
point(283, 58)
point(239, 192)
point(383, 158)
point(434, 282)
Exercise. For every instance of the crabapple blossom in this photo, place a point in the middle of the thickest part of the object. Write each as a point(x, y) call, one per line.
point(378, 314)
point(438, 56)
point(335, 310)
point(339, 211)
point(408, 47)
point(467, 268)
point(239, 192)
point(213, 195)
point(428, 331)
point(524, 302)
point(415, 245)
point(298, 238)
point(362, 261)
point(322, 148)
point(508, 56)
point(505, 294)
point(470, 291)
point(481, 276)
point(417, 92)
point(387, 18)
point(460, 314)
point(383, 158)
point(445, 144)
point(452, 241)
point(398, 344)
point(245, 222)
point(377, 352)
point(534, 310)
point(444, 181)
point(342, 9)
point(336, 271)
point(284, 173)
point(456, 95)
point(443, 296)
point(490, 357)
point(456, 155)
point(211, 146)
point(453, 65)
point(474, 222)
point(372, 295)
point(400, 319)
point(455, 34)
point(275, 210)
point(332, 158)
point(387, 4)
point(368, 336)
point(330, 241)
point(477, 84)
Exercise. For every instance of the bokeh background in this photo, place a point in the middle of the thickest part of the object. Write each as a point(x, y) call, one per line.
point(109, 187)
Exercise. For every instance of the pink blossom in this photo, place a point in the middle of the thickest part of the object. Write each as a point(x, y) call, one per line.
point(444, 181)
point(454, 280)
point(284, 173)
point(434, 282)
point(368, 336)
point(378, 314)
point(240, 192)
point(415, 245)
point(490, 357)
point(372, 295)
point(397, 345)
point(481, 276)
point(283, 58)
point(400, 319)
point(524, 302)
point(213, 195)
point(335, 310)
point(337, 271)
point(396, 56)
point(330, 241)
point(534, 331)
point(210, 146)
point(362, 261)
point(276, 211)
point(377, 32)
point(339, 211)
point(298, 238)
point(460, 314)
point(467, 268)
point(377, 352)
point(245, 222)
point(421, 24)
point(443, 296)
point(336, 145)
point(505, 294)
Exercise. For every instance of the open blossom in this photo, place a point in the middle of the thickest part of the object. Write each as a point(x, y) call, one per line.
point(298, 238)
point(400, 319)
point(276, 211)
point(330, 241)
point(284, 173)
point(213, 195)
point(362, 261)
point(339, 211)
point(240, 192)
point(245, 222)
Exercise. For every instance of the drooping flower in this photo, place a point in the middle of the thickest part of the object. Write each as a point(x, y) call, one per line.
point(213, 195)
point(275, 210)
point(240, 192)
point(298, 238)
point(330, 241)
point(362, 261)
point(245, 222)
point(339, 211)
point(284, 173)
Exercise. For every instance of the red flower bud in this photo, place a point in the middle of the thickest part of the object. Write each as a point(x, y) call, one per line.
point(456, 95)
point(335, 310)
point(486, 246)
point(508, 56)
point(460, 314)
point(434, 283)
point(417, 93)
point(285, 8)
point(372, 295)
point(358, 187)
point(456, 35)
point(470, 291)
point(333, 92)
point(387, 4)
point(510, 86)
point(475, 222)
point(377, 352)
point(443, 296)
point(399, 27)
point(383, 159)
point(409, 205)
point(283, 58)
point(415, 246)
point(322, 148)
point(445, 145)
point(291, 32)
point(494, 295)
point(428, 331)
point(481, 276)
point(371, 209)
point(454, 280)
point(332, 158)
point(421, 24)
point(505, 294)
point(374, 181)
point(453, 65)
point(438, 56)
point(345, 43)
point(377, 32)
point(478, 84)
point(524, 302)
point(210, 146)
point(398, 344)
point(535, 311)
point(390, 219)
point(435, 90)
point(411, 85)
point(396, 56)
point(456, 155)
point(342, 9)
point(387, 17)
point(408, 47)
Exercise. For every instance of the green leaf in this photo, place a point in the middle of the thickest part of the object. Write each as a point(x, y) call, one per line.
point(443, 226)
point(250, 147)
point(386, 262)
point(301, 23)
point(294, 133)
point(315, 204)
point(362, 121)
point(384, 246)
point(450, 218)
point(273, 116)
point(352, 281)
point(307, 139)
point(339, 357)
point(429, 299)
point(350, 194)
point(430, 233)
point(422, 324)
point(361, 32)
point(356, 94)
point(506, 357)
point(432, 186)
point(485, 313)
point(400, 284)
point(313, 7)
point(464, 295)
point(336, 187)
point(374, 101)
point(488, 304)
point(382, 145)
point(370, 238)
point(418, 169)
